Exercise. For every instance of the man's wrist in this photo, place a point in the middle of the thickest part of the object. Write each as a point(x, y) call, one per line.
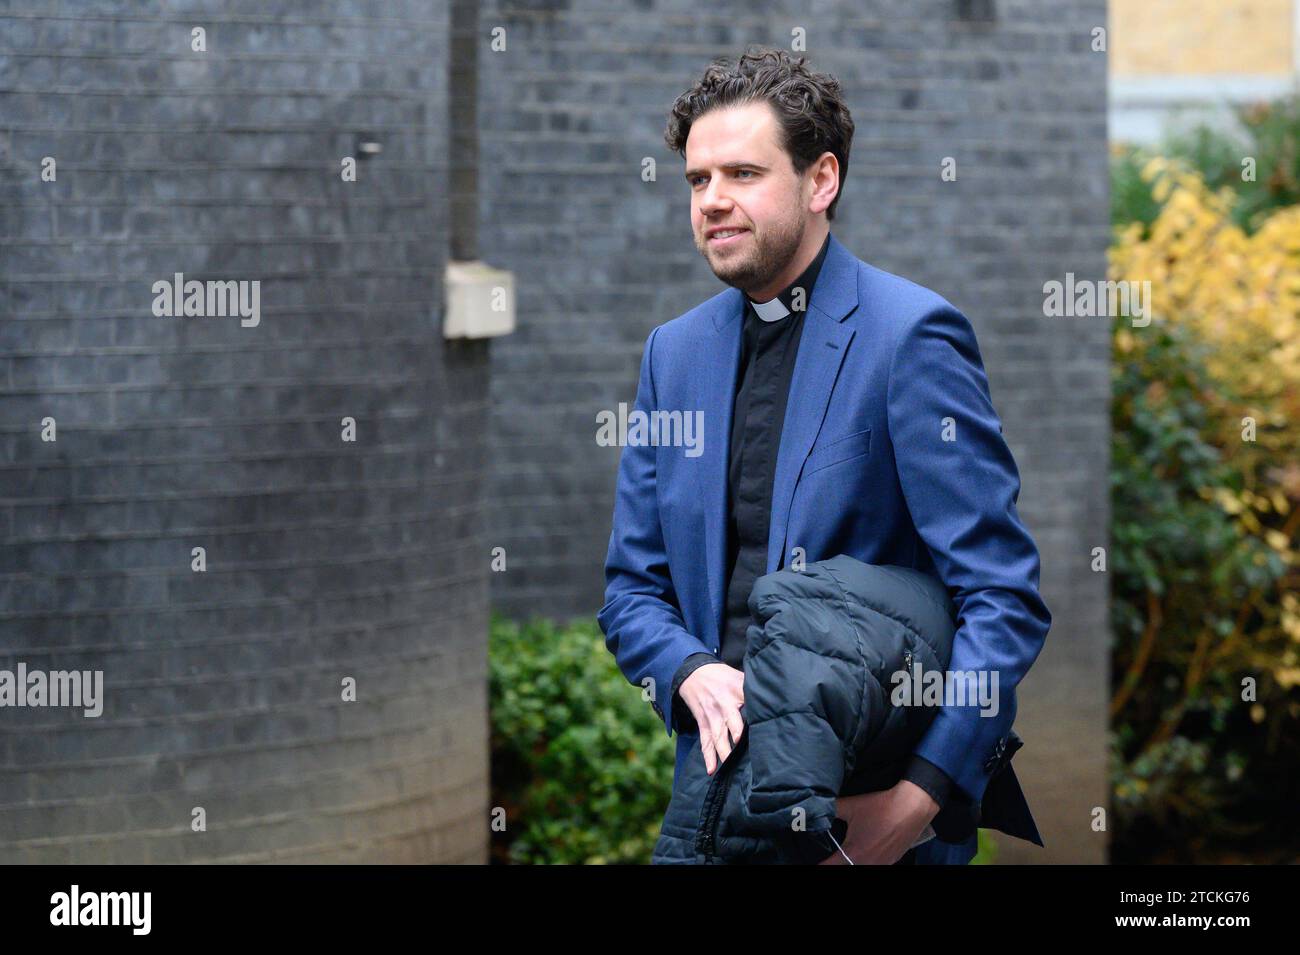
point(682, 716)
point(689, 666)
point(920, 802)
point(919, 771)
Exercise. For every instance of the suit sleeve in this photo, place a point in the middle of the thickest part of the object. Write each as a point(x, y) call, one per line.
point(641, 618)
point(961, 484)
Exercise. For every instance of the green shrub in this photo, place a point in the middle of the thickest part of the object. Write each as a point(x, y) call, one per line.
point(1268, 133)
point(580, 761)
point(1188, 763)
point(986, 852)
point(1131, 198)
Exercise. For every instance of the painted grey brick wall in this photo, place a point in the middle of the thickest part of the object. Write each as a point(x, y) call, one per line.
point(325, 559)
point(580, 95)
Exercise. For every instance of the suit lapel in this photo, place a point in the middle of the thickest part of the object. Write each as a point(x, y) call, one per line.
point(822, 347)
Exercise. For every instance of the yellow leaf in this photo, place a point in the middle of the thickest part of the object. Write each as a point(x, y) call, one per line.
point(1277, 540)
point(1287, 676)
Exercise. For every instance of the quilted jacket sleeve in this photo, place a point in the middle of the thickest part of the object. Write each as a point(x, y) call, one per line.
point(798, 707)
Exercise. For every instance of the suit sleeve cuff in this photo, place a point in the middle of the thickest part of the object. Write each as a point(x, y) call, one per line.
point(683, 719)
point(929, 777)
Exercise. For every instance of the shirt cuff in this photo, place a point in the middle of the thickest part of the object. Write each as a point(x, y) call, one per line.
point(683, 718)
point(929, 777)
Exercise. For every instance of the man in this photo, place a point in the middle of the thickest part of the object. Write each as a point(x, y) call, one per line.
point(845, 410)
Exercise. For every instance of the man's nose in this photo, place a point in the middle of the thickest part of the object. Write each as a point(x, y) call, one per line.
point(714, 199)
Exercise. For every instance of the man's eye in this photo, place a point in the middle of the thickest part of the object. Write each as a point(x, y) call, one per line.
point(744, 172)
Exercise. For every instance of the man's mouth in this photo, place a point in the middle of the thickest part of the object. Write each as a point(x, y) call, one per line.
point(726, 236)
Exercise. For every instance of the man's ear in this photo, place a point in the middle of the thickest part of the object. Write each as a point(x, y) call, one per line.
point(825, 181)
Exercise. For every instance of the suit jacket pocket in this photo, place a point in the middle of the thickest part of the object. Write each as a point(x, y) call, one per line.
point(837, 450)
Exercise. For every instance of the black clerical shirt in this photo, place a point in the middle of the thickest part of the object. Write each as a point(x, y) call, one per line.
point(769, 347)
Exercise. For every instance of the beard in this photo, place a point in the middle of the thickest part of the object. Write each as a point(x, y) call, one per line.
point(760, 258)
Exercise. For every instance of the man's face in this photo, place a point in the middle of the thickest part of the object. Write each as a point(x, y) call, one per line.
point(741, 177)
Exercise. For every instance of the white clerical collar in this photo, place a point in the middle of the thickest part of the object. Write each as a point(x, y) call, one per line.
point(772, 311)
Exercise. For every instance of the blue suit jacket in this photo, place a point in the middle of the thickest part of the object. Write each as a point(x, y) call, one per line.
point(891, 452)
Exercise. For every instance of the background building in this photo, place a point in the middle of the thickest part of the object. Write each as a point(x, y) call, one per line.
point(1179, 61)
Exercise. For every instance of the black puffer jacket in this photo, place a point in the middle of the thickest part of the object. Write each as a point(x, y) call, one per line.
point(819, 723)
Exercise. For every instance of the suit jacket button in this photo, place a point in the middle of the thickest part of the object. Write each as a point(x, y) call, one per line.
point(995, 760)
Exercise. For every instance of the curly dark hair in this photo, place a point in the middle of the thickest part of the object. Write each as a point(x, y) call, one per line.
point(809, 106)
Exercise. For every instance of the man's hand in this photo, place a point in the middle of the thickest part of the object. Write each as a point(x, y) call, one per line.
point(883, 825)
point(715, 693)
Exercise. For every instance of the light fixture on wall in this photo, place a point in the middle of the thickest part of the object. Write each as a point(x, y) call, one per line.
point(366, 146)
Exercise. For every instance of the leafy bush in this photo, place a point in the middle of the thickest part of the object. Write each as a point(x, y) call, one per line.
point(580, 762)
point(1131, 201)
point(1204, 522)
point(1267, 132)
point(986, 851)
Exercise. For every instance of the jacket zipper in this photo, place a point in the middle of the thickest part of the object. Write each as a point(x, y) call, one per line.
point(714, 800)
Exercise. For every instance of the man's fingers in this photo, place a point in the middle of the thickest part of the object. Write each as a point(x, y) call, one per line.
point(706, 747)
point(721, 743)
point(714, 742)
point(736, 724)
point(719, 720)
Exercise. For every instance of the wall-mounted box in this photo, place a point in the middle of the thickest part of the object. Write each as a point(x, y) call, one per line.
point(480, 301)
